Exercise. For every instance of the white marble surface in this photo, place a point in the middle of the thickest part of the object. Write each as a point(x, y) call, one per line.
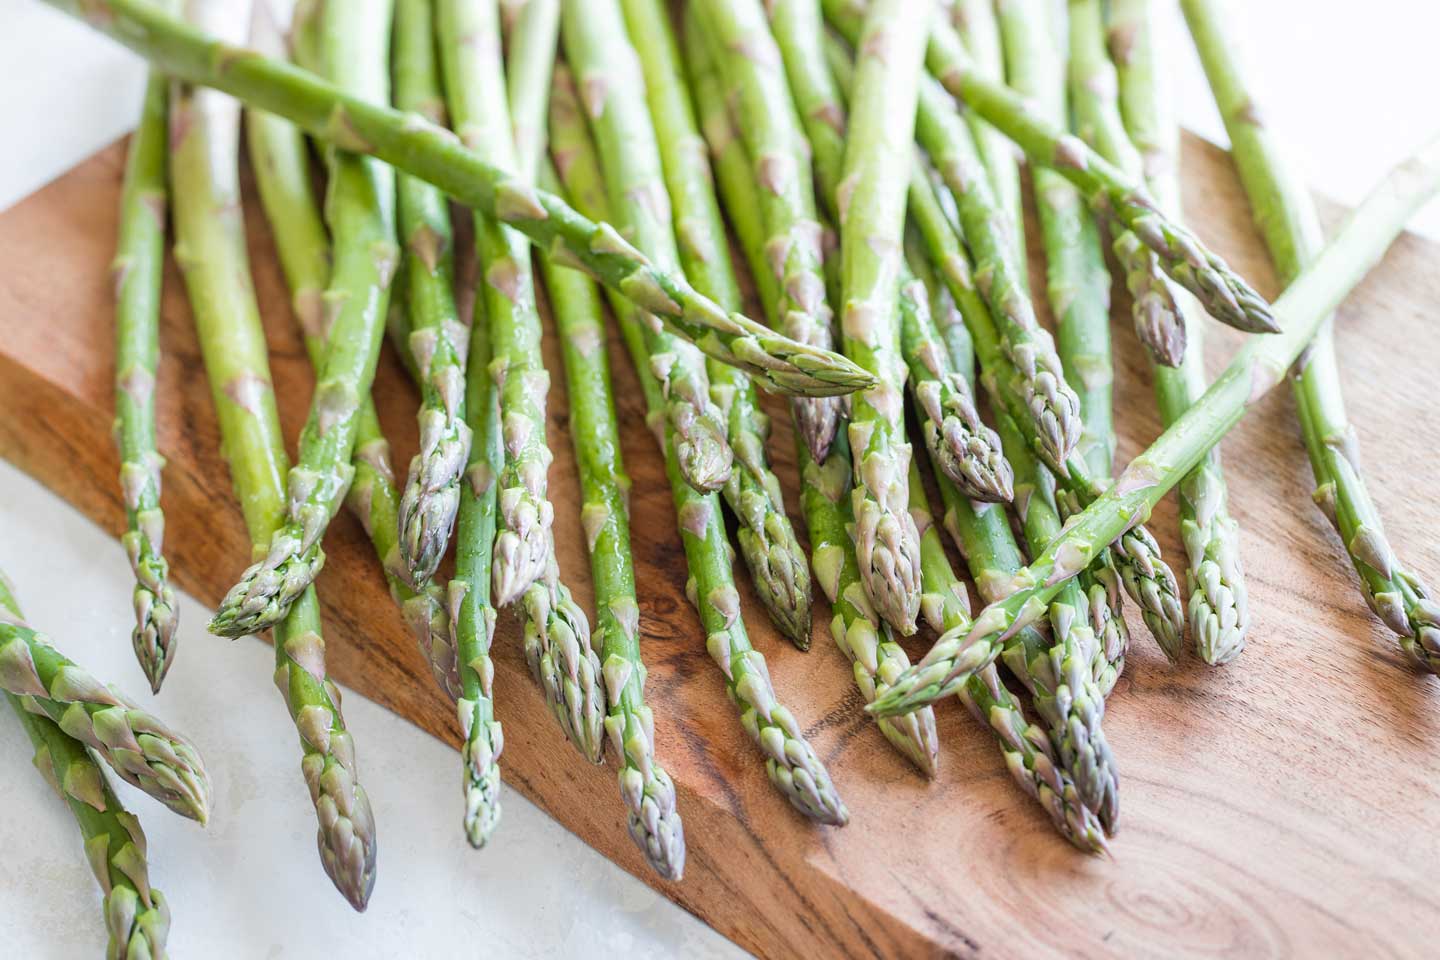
point(250, 885)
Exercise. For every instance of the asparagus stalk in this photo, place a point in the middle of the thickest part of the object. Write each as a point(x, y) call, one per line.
point(777, 563)
point(1159, 323)
point(137, 915)
point(750, 61)
point(355, 48)
point(1261, 364)
point(1218, 610)
point(142, 750)
point(529, 59)
point(952, 433)
point(608, 73)
point(976, 22)
point(792, 765)
point(648, 791)
point(280, 161)
point(210, 248)
point(429, 152)
point(556, 631)
point(1113, 195)
point(1028, 751)
point(138, 269)
point(871, 201)
point(865, 639)
point(1077, 279)
point(1287, 219)
point(432, 487)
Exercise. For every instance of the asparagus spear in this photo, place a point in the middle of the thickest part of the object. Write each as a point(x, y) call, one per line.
point(432, 488)
point(280, 161)
point(1219, 613)
point(871, 203)
point(142, 750)
point(210, 248)
point(608, 75)
point(777, 563)
point(976, 22)
point(1286, 216)
point(1113, 195)
point(138, 269)
point(749, 59)
point(866, 641)
point(1028, 751)
point(1261, 364)
point(530, 57)
point(792, 765)
point(1159, 323)
point(355, 47)
point(1077, 279)
point(136, 914)
point(648, 791)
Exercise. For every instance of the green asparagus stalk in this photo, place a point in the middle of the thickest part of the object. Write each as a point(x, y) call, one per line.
point(139, 269)
point(1261, 364)
point(280, 160)
point(432, 488)
point(792, 765)
point(1287, 219)
point(429, 152)
point(1077, 279)
point(866, 640)
point(1218, 610)
point(1113, 195)
point(210, 248)
point(750, 61)
point(137, 915)
point(529, 59)
point(1160, 325)
point(871, 200)
point(556, 631)
point(1028, 751)
point(976, 22)
point(777, 563)
point(648, 791)
point(608, 74)
point(355, 48)
point(142, 750)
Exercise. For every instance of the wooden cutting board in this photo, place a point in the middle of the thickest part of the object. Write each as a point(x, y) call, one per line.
point(1281, 806)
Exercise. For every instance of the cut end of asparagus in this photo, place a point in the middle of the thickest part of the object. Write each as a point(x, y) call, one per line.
point(266, 590)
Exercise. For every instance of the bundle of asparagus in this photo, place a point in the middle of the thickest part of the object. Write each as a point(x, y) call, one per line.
point(868, 173)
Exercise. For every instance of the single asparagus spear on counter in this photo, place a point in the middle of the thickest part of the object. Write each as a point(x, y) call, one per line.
point(749, 60)
point(355, 40)
point(281, 163)
point(1112, 194)
point(865, 639)
point(648, 791)
point(1160, 325)
point(142, 750)
point(1286, 215)
point(608, 77)
point(1029, 754)
point(556, 631)
point(210, 248)
point(432, 487)
point(777, 563)
point(138, 269)
point(1219, 609)
point(792, 765)
point(1077, 279)
point(871, 203)
point(977, 23)
point(1262, 363)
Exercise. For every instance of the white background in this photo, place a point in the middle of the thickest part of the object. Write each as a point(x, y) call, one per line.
point(1350, 87)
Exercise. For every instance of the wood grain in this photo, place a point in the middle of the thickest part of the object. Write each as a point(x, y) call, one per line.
point(1282, 806)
